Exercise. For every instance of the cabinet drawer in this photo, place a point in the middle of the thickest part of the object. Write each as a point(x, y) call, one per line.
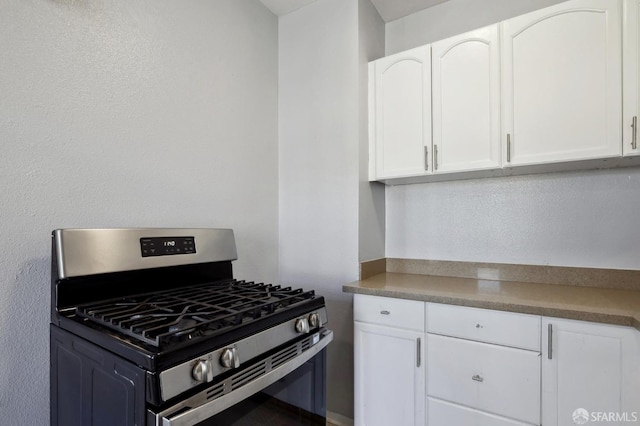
point(408, 314)
point(484, 325)
point(497, 379)
point(442, 413)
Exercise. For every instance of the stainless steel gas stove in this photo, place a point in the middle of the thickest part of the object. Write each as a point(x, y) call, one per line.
point(149, 327)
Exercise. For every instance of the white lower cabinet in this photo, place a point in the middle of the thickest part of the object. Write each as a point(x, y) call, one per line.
point(389, 362)
point(434, 364)
point(590, 366)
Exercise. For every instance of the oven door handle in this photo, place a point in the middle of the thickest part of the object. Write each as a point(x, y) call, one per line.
point(186, 414)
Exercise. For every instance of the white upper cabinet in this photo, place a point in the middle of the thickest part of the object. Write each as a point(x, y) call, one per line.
point(631, 74)
point(402, 112)
point(561, 91)
point(466, 101)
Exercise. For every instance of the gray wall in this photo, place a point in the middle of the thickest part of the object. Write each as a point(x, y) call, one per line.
point(319, 168)
point(568, 219)
point(121, 113)
point(372, 195)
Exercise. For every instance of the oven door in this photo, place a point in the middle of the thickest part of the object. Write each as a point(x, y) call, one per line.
point(273, 388)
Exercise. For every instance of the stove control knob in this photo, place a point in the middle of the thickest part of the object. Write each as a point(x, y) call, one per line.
point(229, 358)
point(314, 320)
point(302, 325)
point(202, 371)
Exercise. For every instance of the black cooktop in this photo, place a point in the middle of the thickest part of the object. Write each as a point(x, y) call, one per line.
point(186, 314)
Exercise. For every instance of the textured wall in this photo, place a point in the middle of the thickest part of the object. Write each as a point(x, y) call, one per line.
point(121, 113)
point(587, 219)
point(567, 219)
point(318, 106)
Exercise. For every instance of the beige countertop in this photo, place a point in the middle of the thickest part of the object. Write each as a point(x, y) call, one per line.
point(605, 305)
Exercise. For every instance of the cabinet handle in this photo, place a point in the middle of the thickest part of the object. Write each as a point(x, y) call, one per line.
point(418, 343)
point(435, 157)
point(549, 341)
point(385, 312)
point(477, 378)
point(634, 132)
point(426, 158)
point(508, 147)
point(478, 326)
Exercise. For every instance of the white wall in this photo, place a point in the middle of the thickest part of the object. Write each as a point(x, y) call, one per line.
point(318, 124)
point(121, 113)
point(584, 219)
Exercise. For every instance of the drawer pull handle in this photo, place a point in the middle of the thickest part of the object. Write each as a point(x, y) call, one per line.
point(478, 326)
point(385, 312)
point(477, 378)
point(634, 133)
point(550, 341)
point(426, 158)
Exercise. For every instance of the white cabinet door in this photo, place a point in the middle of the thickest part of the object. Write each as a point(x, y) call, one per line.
point(631, 74)
point(495, 379)
point(466, 101)
point(589, 366)
point(389, 376)
point(403, 114)
point(562, 82)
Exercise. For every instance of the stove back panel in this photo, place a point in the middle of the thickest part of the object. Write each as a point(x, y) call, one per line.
point(85, 252)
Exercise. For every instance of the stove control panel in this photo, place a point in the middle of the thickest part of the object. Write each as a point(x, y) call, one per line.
point(205, 368)
point(164, 246)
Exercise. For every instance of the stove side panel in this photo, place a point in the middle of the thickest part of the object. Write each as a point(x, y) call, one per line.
point(92, 387)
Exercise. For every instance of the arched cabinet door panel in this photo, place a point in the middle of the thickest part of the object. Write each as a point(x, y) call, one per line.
point(561, 83)
point(402, 112)
point(466, 101)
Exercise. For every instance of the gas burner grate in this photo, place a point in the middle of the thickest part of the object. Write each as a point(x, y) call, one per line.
point(187, 313)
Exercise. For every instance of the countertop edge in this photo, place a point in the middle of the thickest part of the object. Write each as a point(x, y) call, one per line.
point(622, 319)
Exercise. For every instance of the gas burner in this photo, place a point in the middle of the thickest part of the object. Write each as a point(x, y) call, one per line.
point(192, 312)
point(184, 326)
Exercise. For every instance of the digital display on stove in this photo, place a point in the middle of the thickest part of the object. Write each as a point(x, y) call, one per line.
point(165, 246)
